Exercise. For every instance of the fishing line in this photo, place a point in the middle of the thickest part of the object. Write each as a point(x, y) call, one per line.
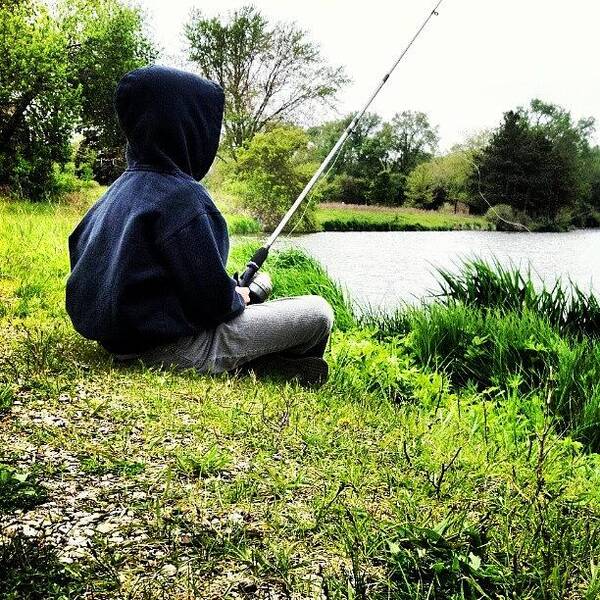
point(493, 208)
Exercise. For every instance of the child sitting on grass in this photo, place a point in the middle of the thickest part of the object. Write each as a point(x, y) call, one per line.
point(148, 277)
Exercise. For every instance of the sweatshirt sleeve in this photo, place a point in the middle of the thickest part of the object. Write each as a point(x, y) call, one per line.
point(195, 264)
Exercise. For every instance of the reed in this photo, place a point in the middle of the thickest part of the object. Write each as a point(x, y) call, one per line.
point(494, 286)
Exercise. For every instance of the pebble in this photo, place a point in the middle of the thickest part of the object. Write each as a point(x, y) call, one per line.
point(106, 527)
point(169, 570)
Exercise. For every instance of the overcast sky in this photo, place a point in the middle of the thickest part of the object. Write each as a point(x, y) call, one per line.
point(476, 60)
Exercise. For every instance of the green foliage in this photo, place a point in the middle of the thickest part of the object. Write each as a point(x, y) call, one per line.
point(294, 273)
point(97, 465)
point(373, 164)
point(336, 217)
point(492, 348)
point(58, 75)
point(31, 568)
point(66, 180)
point(6, 397)
point(413, 139)
point(493, 327)
point(38, 102)
point(241, 225)
point(505, 218)
point(18, 490)
point(202, 464)
point(493, 286)
point(440, 180)
point(587, 212)
point(269, 72)
point(534, 163)
point(382, 369)
point(111, 40)
point(447, 559)
point(270, 173)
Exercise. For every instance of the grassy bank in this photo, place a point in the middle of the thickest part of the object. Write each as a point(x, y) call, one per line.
point(347, 217)
point(423, 469)
point(330, 217)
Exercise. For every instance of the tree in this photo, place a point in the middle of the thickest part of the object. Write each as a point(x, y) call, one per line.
point(439, 180)
point(270, 172)
point(375, 161)
point(58, 76)
point(269, 73)
point(38, 102)
point(516, 167)
point(110, 41)
point(534, 162)
point(359, 162)
point(588, 211)
point(412, 140)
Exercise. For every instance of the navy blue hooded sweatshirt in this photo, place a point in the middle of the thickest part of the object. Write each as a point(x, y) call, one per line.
point(148, 259)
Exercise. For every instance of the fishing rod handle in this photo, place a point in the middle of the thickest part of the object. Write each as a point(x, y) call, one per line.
point(254, 264)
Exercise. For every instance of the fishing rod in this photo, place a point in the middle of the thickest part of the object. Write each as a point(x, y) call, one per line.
point(260, 256)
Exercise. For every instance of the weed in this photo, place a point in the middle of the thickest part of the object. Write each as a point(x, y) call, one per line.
point(30, 568)
point(19, 489)
point(95, 465)
point(6, 397)
point(202, 464)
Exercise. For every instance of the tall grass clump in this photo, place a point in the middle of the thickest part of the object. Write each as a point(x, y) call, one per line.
point(492, 328)
point(483, 285)
point(295, 273)
point(490, 349)
point(241, 224)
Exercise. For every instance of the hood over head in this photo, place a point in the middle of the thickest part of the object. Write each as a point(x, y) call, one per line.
point(172, 119)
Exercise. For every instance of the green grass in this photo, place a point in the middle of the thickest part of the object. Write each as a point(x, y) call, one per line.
point(483, 285)
point(339, 217)
point(421, 470)
point(241, 224)
point(492, 328)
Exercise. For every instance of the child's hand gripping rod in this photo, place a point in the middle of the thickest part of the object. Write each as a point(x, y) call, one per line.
point(262, 253)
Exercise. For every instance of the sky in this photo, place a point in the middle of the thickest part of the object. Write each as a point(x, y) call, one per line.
point(476, 60)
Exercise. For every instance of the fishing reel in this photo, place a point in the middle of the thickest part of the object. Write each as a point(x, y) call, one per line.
point(260, 286)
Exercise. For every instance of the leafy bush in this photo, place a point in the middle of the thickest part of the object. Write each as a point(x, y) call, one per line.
point(66, 180)
point(365, 364)
point(270, 173)
point(440, 180)
point(241, 225)
point(343, 188)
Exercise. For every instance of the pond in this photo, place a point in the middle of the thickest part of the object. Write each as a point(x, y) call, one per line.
point(383, 269)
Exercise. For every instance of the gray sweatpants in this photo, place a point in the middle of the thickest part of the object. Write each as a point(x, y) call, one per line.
point(298, 326)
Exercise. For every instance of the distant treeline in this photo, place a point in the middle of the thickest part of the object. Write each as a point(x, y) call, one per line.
point(57, 123)
point(538, 168)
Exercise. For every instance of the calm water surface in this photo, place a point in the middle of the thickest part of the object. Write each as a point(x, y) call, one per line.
point(383, 269)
